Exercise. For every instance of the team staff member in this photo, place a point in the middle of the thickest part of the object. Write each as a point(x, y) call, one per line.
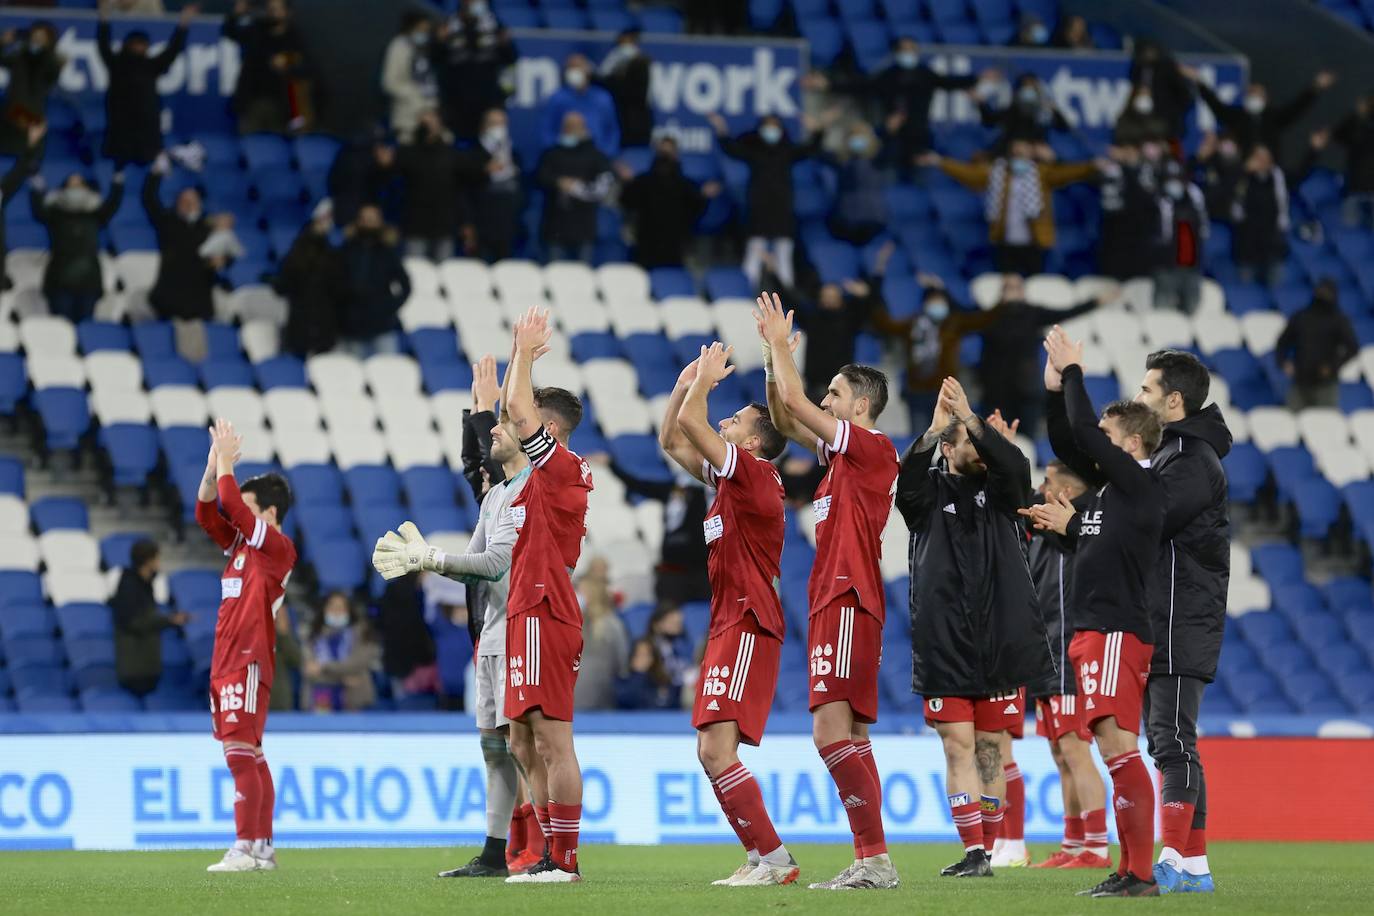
point(1116, 537)
point(1187, 602)
point(976, 632)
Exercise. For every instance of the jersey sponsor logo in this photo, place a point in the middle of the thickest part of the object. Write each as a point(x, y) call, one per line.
point(714, 528)
point(230, 588)
point(936, 705)
point(1091, 523)
point(517, 515)
point(821, 509)
point(820, 660)
point(239, 561)
point(714, 684)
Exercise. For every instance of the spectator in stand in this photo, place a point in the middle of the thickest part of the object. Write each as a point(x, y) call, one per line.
point(663, 205)
point(681, 572)
point(625, 75)
point(1130, 231)
point(10, 184)
point(138, 623)
point(430, 172)
point(338, 659)
point(833, 327)
point(1254, 121)
point(770, 155)
point(1183, 215)
point(185, 280)
point(1018, 202)
point(668, 632)
point(408, 77)
point(313, 283)
point(74, 215)
point(1356, 133)
point(606, 644)
point(717, 17)
point(1171, 91)
point(576, 177)
point(1033, 33)
point(1073, 34)
point(491, 191)
point(1139, 123)
point(1259, 214)
point(377, 286)
point(133, 110)
point(136, 7)
point(648, 684)
point(364, 173)
point(1317, 341)
point(285, 690)
point(860, 213)
point(474, 52)
point(31, 59)
point(592, 103)
point(272, 95)
point(1221, 166)
point(1010, 369)
point(407, 646)
point(1030, 115)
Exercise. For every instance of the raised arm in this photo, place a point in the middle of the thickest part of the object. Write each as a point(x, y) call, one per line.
point(110, 205)
point(671, 437)
point(775, 327)
point(102, 38)
point(176, 44)
point(152, 186)
point(777, 411)
point(226, 444)
point(915, 484)
point(479, 422)
point(1008, 470)
point(693, 418)
point(208, 515)
point(532, 333)
point(1061, 434)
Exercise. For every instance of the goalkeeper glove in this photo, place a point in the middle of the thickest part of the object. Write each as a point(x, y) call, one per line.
point(396, 555)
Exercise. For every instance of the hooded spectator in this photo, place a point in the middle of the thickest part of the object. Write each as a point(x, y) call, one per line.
point(1259, 213)
point(1356, 133)
point(592, 103)
point(1073, 34)
point(860, 212)
point(430, 172)
point(1170, 89)
point(313, 283)
point(185, 280)
point(138, 623)
point(408, 77)
point(625, 74)
point(10, 184)
point(576, 178)
point(338, 659)
point(1317, 341)
point(473, 54)
point(377, 286)
point(1183, 217)
point(31, 59)
point(606, 644)
point(1254, 120)
point(272, 94)
point(1030, 115)
point(1130, 230)
point(664, 205)
point(133, 110)
point(74, 214)
point(492, 193)
point(364, 173)
point(1221, 166)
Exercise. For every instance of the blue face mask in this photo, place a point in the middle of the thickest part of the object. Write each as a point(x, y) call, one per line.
point(1039, 34)
point(569, 140)
point(419, 39)
point(1028, 95)
point(858, 144)
point(1021, 166)
point(771, 133)
point(937, 310)
point(907, 60)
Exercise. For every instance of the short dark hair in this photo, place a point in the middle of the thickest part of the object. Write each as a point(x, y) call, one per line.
point(870, 383)
point(771, 442)
point(141, 552)
point(1136, 420)
point(1060, 467)
point(1182, 372)
point(950, 434)
point(412, 18)
point(562, 403)
point(271, 491)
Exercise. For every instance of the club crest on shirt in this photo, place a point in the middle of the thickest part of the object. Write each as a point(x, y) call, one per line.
point(240, 560)
point(586, 470)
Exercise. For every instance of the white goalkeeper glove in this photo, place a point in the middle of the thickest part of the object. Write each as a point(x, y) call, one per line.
point(767, 360)
point(399, 554)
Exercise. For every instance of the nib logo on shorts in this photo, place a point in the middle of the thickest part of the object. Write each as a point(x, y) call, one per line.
point(820, 687)
point(854, 801)
point(713, 706)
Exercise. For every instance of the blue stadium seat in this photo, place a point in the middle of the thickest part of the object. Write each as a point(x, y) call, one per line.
point(1314, 694)
point(444, 517)
point(1318, 505)
point(727, 283)
point(1345, 591)
point(320, 522)
point(133, 452)
point(1358, 691)
point(611, 20)
point(446, 376)
point(373, 519)
point(316, 151)
point(1287, 659)
point(52, 513)
point(825, 39)
point(656, 20)
point(265, 151)
point(169, 698)
point(835, 261)
point(65, 414)
point(115, 548)
point(670, 281)
point(14, 381)
point(372, 484)
point(654, 362)
point(1322, 632)
point(1279, 564)
point(430, 486)
point(284, 371)
point(195, 589)
point(184, 445)
point(32, 651)
point(1257, 693)
point(1246, 471)
point(27, 620)
point(435, 344)
point(234, 373)
point(340, 564)
point(637, 456)
point(1291, 464)
point(313, 484)
point(35, 704)
point(11, 475)
point(100, 700)
point(103, 335)
point(85, 621)
point(168, 370)
point(591, 345)
point(18, 587)
point(1263, 629)
point(92, 663)
point(154, 339)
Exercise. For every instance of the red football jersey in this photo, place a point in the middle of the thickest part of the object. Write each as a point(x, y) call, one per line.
point(744, 532)
point(550, 517)
point(852, 505)
point(252, 586)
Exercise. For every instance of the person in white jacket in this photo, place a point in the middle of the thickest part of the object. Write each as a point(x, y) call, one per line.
point(408, 76)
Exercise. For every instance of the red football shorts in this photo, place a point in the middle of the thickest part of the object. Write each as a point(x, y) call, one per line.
point(739, 674)
point(1058, 715)
point(542, 658)
point(238, 706)
point(1112, 669)
point(846, 648)
point(1003, 713)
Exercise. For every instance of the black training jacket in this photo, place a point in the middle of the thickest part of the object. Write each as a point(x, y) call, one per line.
point(1188, 587)
point(1051, 564)
point(976, 629)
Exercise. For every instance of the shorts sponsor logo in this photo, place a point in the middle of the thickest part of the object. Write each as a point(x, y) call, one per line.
point(715, 683)
point(231, 698)
point(821, 509)
point(517, 672)
point(230, 588)
point(714, 528)
point(820, 660)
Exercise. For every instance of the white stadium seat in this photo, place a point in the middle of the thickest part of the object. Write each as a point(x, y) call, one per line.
point(353, 447)
point(404, 414)
point(9, 337)
point(424, 277)
point(1323, 428)
point(1262, 330)
point(986, 290)
point(623, 283)
point(1246, 594)
point(56, 371)
point(114, 406)
point(425, 310)
point(1272, 427)
point(631, 316)
point(414, 447)
point(559, 372)
point(1217, 331)
point(258, 446)
point(240, 406)
point(14, 515)
point(734, 320)
point(42, 335)
point(684, 316)
point(66, 550)
point(1211, 298)
point(519, 284)
point(297, 408)
point(1342, 464)
point(19, 551)
point(570, 282)
point(465, 280)
point(581, 316)
point(261, 340)
point(344, 411)
point(179, 405)
point(335, 374)
point(392, 376)
point(1051, 291)
point(71, 587)
point(298, 445)
point(115, 371)
point(1362, 430)
point(1166, 329)
point(256, 302)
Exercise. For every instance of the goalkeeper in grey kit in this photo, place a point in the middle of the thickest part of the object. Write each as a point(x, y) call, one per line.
point(484, 569)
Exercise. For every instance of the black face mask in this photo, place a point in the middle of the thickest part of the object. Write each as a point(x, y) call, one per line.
point(665, 164)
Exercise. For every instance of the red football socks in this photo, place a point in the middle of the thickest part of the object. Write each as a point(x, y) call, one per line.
point(1197, 843)
point(1073, 834)
point(243, 765)
point(1176, 824)
point(993, 812)
point(740, 795)
point(541, 814)
point(1134, 799)
point(968, 820)
point(732, 817)
point(536, 840)
point(517, 840)
point(268, 800)
point(564, 823)
point(859, 795)
point(1094, 831)
point(1014, 822)
point(865, 749)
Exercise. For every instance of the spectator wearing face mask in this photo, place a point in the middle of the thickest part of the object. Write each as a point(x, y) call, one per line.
point(491, 191)
point(1139, 123)
point(377, 286)
point(625, 75)
point(1183, 216)
point(1130, 230)
point(133, 110)
point(1030, 115)
point(1220, 165)
point(1356, 133)
point(663, 205)
point(408, 77)
point(1317, 341)
point(1171, 91)
point(1259, 216)
point(592, 103)
point(312, 282)
point(338, 659)
point(33, 64)
point(74, 214)
point(770, 154)
point(1073, 34)
point(647, 685)
point(185, 280)
point(576, 177)
point(364, 172)
point(860, 212)
point(833, 326)
point(272, 94)
point(1254, 120)
point(1018, 202)
point(1032, 33)
point(430, 170)
point(474, 52)
point(606, 649)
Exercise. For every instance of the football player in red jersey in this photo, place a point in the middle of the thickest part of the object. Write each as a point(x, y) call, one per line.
point(744, 534)
point(845, 592)
point(246, 525)
point(543, 616)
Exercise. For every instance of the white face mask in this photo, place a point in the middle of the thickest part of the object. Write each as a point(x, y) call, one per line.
point(494, 134)
point(937, 310)
point(771, 133)
point(907, 60)
point(1254, 104)
point(1143, 104)
point(336, 621)
point(1174, 188)
point(575, 77)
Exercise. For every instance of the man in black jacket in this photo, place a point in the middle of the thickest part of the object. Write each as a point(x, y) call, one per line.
point(1116, 537)
point(378, 286)
point(473, 51)
point(430, 170)
point(185, 280)
point(576, 178)
point(138, 622)
point(273, 65)
point(1317, 341)
point(664, 205)
point(625, 75)
point(1356, 133)
point(976, 634)
point(133, 110)
point(1254, 121)
point(1187, 601)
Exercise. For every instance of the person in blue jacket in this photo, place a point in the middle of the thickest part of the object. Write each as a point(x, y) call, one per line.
point(592, 102)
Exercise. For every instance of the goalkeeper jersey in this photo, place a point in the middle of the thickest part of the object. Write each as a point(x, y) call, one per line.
point(494, 534)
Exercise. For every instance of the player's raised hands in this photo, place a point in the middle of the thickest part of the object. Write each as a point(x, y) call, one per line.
point(713, 363)
point(774, 325)
point(486, 390)
point(1004, 429)
point(225, 444)
point(1062, 351)
point(952, 393)
point(688, 375)
point(1054, 514)
point(532, 332)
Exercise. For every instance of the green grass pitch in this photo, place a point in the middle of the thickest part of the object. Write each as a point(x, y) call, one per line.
point(1252, 878)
